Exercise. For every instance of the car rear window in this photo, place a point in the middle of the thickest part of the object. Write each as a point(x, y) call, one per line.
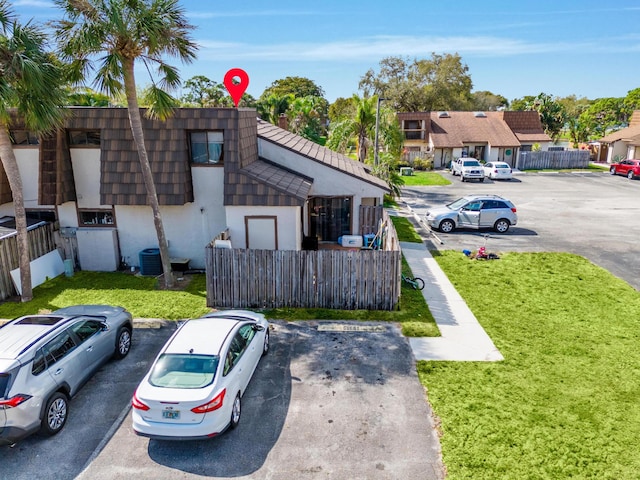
point(471, 163)
point(184, 371)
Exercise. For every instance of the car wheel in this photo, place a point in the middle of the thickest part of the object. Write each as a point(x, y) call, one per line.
point(123, 343)
point(265, 345)
point(55, 414)
point(446, 226)
point(612, 170)
point(461, 178)
point(236, 410)
point(630, 175)
point(502, 225)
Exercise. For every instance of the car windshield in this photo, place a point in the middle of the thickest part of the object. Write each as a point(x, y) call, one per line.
point(471, 163)
point(184, 370)
point(456, 205)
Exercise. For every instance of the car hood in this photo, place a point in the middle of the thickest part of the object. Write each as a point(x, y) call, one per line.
point(439, 211)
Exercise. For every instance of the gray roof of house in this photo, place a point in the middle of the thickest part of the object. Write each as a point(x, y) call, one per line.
point(318, 153)
point(279, 178)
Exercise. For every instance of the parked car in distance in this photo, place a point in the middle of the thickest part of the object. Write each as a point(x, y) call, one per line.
point(45, 359)
point(498, 171)
point(195, 386)
point(468, 169)
point(630, 168)
point(474, 211)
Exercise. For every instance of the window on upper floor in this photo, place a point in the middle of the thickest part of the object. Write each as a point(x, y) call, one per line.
point(23, 137)
point(84, 138)
point(206, 148)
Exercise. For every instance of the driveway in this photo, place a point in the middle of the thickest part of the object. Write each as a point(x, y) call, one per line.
point(595, 215)
point(330, 400)
point(92, 413)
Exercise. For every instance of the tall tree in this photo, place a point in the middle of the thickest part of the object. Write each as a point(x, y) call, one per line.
point(30, 81)
point(485, 101)
point(271, 107)
point(341, 108)
point(305, 117)
point(605, 115)
point(521, 104)
point(203, 92)
point(439, 83)
point(552, 114)
point(361, 127)
point(125, 31)
point(296, 86)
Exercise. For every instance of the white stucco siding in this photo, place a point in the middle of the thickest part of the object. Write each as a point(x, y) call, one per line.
point(327, 181)
point(68, 215)
point(289, 229)
point(86, 173)
point(188, 228)
point(28, 159)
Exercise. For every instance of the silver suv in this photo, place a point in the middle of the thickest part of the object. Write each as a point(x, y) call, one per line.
point(45, 359)
point(474, 211)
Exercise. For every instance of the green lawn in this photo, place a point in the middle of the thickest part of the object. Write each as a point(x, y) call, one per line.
point(565, 402)
point(138, 294)
point(420, 178)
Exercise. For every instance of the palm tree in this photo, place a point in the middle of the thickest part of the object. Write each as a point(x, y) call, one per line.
point(361, 127)
point(125, 31)
point(273, 106)
point(30, 81)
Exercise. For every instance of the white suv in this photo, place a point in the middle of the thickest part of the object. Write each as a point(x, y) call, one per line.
point(467, 168)
point(45, 359)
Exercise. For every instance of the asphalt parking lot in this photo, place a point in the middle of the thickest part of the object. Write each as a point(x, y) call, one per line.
point(327, 401)
point(92, 413)
point(595, 215)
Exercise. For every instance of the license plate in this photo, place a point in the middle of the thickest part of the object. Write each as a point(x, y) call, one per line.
point(171, 414)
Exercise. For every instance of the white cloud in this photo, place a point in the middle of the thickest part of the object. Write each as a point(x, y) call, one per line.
point(382, 46)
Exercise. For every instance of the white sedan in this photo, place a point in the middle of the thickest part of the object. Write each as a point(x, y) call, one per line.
point(498, 171)
point(195, 385)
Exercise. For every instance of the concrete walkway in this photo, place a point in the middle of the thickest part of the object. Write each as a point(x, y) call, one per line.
point(463, 338)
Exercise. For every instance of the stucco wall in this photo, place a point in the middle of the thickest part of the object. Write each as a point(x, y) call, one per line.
point(326, 180)
point(287, 220)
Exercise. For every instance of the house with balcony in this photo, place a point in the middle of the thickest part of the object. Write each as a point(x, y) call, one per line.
point(487, 136)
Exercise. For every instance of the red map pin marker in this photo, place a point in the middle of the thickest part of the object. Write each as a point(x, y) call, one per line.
point(236, 90)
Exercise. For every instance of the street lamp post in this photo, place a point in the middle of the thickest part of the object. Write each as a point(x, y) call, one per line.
point(375, 147)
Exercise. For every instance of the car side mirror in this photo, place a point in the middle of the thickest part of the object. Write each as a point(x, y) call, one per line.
point(257, 328)
point(104, 326)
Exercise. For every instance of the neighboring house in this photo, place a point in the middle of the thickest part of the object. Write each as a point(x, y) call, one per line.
point(488, 136)
point(622, 144)
point(216, 169)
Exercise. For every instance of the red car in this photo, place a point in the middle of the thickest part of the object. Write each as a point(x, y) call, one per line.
point(630, 168)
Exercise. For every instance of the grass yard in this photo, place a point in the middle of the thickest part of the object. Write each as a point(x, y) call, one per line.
point(139, 295)
point(565, 402)
point(420, 178)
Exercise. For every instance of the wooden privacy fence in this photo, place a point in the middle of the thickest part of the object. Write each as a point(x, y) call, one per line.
point(553, 160)
point(341, 279)
point(41, 242)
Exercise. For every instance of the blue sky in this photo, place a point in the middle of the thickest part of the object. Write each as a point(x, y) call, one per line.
point(513, 48)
